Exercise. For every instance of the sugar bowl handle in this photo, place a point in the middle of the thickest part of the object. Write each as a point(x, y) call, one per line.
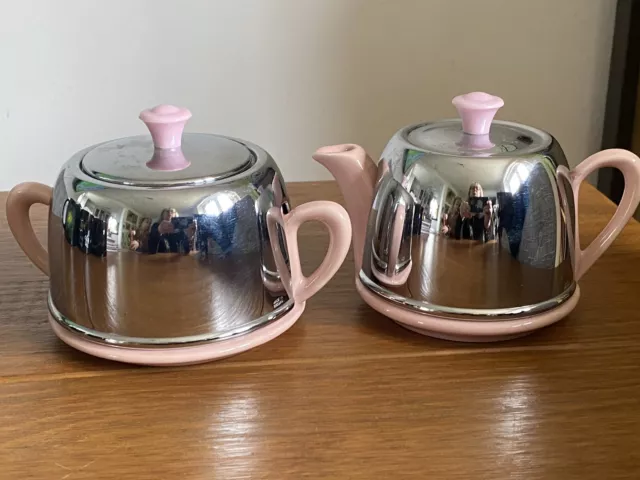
point(629, 165)
point(336, 219)
point(19, 201)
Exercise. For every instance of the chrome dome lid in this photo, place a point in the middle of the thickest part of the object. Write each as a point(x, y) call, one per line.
point(447, 137)
point(475, 134)
point(168, 158)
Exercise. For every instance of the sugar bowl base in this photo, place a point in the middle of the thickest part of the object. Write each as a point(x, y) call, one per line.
point(466, 330)
point(175, 356)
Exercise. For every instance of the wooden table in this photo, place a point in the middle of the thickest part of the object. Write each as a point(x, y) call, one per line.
point(344, 394)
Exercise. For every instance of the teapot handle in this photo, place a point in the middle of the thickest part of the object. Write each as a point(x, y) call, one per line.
point(19, 201)
point(336, 219)
point(629, 165)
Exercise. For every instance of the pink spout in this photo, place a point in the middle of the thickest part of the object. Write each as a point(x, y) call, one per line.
point(356, 175)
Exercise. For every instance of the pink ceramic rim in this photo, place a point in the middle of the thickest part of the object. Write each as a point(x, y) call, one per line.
point(159, 356)
point(463, 330)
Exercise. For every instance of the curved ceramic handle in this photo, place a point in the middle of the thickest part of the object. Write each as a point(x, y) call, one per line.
point(477, 109)
point(19, 201)
point(336, 219)
point(629, 165)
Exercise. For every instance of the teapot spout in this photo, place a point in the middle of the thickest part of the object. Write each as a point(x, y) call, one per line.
point(356, 175)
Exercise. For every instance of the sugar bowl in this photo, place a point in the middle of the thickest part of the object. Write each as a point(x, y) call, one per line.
point(173, 248)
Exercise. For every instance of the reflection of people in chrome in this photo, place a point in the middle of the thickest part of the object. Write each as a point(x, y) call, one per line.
point(450, 218)
point(475, 223)
point(168, 236)
point(158, 241)
point(165, 226)
point(139, 237)
point(143, 235)
point(133, 243)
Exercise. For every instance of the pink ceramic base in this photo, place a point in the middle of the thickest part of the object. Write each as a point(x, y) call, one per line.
point(173, 356)
point(464, 330)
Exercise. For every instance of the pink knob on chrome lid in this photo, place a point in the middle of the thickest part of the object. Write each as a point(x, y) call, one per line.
point(166, 123)
point(477, 109)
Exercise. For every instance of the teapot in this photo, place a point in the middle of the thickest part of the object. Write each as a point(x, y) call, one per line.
point(173, 248)
point(466, 228)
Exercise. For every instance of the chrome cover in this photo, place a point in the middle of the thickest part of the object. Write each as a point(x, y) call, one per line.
point(472, 230)
point(142, 257)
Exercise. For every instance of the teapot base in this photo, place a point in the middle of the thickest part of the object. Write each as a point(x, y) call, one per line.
point(176, 356)
point(461, 330)
point(463, 338)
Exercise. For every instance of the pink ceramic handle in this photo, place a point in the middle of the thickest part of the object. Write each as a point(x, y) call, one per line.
point(274, 218)
point(276, 186)
point(337, 221)
point(477, 109)
point(629, 165)
point(166, 123)
point(19, 201)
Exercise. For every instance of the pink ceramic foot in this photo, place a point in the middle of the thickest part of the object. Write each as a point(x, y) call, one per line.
point(466, 330)
point(173, 356)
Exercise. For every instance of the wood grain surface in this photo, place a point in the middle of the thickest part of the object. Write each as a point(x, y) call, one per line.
point(345, 393)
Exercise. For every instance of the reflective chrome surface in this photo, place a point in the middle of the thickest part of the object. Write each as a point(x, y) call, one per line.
point(166, 258)
point(469, 225)
point(211, 158)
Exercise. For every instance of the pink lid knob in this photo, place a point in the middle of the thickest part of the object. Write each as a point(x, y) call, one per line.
point(166, 123)
point(477, 110)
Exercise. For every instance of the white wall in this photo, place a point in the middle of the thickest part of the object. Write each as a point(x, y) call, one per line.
point(291, 75)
